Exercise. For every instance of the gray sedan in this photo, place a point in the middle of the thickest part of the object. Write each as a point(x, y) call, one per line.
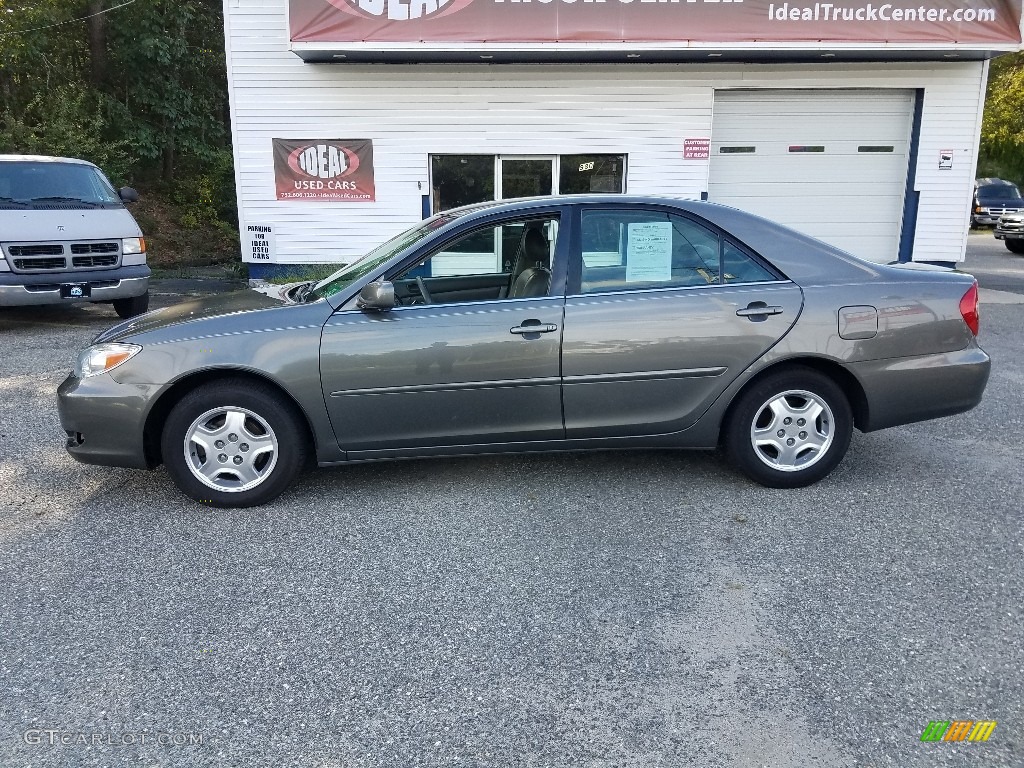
point(560, 323)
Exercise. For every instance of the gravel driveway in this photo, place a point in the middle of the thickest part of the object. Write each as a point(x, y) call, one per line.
point(605, 610)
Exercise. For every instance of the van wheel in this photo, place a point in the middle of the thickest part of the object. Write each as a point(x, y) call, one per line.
point(233, 444)
point(789, 430)
point(131, 307)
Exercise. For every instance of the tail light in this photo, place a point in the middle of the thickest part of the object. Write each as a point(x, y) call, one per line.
point(969, 308)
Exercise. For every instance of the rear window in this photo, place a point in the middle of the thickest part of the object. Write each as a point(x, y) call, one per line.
point(34, 184)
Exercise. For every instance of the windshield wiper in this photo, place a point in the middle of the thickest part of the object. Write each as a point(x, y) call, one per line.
point(61, 199)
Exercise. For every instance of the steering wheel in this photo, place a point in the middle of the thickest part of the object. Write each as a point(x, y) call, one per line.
point(423, 291)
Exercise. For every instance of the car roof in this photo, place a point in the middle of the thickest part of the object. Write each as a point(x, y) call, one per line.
point(989, 182)
point(43, 159)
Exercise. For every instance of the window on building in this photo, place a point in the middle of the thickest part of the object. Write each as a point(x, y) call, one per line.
point(458, 180)
point(585, 174)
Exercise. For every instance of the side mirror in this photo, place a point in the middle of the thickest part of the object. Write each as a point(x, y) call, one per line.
point(129, 195)
point(379, 295)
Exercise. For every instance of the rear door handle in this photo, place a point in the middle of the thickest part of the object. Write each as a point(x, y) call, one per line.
point(758, 309)
point(533, 326)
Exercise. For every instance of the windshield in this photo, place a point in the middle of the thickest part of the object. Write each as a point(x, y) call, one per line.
point(35, 184)
point(999, 192)
point(363, 266)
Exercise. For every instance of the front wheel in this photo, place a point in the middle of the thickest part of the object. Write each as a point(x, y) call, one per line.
point(1015, 246)
point(790, 429)
point(233, 444)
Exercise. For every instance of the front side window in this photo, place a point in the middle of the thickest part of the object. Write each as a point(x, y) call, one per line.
point(511, 259)
point(366, 264)
point(652, 249)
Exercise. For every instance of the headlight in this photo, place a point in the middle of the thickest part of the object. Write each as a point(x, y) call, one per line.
point(104, 357)
point(131, 245)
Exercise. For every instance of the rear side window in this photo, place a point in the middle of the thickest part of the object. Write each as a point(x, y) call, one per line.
point(632, 250)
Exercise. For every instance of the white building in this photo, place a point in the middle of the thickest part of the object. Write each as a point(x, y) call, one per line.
point(860, 128)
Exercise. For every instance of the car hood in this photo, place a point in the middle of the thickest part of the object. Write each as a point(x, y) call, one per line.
point(204, 308)
point(92, 224)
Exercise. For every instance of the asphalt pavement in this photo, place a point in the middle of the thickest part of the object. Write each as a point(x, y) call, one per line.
point(609, 610)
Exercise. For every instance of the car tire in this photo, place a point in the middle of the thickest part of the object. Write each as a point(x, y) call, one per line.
point(233, 443)
point(804, 453)
point(1015, 246)
point(132, 306)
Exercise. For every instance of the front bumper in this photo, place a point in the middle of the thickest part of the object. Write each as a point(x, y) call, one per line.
point(44, 288)
point(1009, 234)
point(104, 420)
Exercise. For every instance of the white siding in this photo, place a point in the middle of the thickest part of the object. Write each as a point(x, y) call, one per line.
point(643, 111)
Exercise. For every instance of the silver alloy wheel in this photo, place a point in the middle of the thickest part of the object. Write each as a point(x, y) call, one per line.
point(230, 449)
point(792, 431)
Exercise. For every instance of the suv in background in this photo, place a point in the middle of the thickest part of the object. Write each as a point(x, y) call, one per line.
point(66, 236)
point(992, 199)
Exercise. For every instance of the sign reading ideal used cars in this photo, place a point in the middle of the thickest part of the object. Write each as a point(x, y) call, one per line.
point(324, 169)
point(674, 23)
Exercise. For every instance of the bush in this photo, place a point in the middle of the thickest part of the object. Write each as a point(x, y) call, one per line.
point(70, 123)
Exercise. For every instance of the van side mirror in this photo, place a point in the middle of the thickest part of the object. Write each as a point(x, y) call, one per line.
point(128, 195)
point(379, 295)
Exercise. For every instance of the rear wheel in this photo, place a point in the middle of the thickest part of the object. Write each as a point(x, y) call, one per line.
point(1016, 246)
point(132, 306)
point(233, 444)
point(790, 429)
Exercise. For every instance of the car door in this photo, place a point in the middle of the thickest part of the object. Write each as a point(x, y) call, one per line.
point(663, 313)
point(466, 358)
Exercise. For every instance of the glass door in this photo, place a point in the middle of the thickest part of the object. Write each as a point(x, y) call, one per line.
point(525, 176)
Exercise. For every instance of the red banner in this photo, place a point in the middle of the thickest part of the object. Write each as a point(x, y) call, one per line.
point(324, 169)
point(651, 21)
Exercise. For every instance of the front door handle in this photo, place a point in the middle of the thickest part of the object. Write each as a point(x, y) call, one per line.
point(758, 310)
point(533, 326)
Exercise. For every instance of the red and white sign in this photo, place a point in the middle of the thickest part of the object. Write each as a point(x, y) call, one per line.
point(673, 22)
point(696, 149)
point(324, 169)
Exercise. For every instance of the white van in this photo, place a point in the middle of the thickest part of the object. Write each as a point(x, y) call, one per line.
point(66, 236)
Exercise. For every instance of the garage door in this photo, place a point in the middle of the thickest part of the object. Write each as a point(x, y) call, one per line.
point(832, 164)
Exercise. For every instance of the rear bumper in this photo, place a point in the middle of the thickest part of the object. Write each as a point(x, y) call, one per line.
point(104, 420)
point(902, 391)
point(105, 285)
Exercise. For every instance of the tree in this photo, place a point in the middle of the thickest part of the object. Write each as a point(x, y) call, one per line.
point(1002, 131)
point(99, 78)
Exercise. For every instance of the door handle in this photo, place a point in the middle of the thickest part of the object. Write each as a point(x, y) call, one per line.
point(533, 326)
point(758, 310)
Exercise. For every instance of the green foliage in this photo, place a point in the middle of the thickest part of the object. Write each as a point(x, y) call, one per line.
point(1002, 131)
point(140, 90)
point(71, 123)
